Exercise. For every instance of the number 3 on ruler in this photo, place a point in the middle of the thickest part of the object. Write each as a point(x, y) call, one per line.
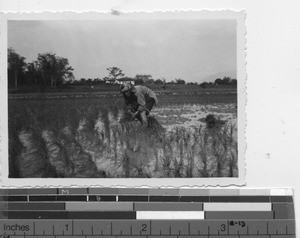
point(223, 227)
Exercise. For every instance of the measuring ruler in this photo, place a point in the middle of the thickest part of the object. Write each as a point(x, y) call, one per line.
point(114, 212)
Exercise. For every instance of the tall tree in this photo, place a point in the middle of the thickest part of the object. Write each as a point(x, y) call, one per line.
point(55, 70)
point(45, 64)
point(63, 72)
point(115, 73)
point(16, 65)
point(32, 73)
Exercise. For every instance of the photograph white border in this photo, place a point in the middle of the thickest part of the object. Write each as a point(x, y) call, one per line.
point(129, 182)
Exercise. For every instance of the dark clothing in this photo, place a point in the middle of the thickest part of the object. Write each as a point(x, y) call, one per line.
point(149, 104)
point(131, 101)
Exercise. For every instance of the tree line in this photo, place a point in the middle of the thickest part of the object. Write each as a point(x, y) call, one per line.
point(225, 81)
point(116, 74)
point(48, 70)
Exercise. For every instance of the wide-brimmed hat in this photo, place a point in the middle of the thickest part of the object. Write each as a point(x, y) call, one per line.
point(125, 87)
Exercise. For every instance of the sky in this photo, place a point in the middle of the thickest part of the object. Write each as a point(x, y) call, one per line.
point(194, 50)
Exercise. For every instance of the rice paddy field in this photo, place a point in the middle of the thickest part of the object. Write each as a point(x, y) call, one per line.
point(90, 135)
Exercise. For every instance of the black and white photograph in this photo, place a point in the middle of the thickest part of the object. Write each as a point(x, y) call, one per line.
point(103, 97)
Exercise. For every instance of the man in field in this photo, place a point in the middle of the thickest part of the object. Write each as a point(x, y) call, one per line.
point(140, 100)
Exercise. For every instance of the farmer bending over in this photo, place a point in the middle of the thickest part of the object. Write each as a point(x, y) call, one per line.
point(140, 99)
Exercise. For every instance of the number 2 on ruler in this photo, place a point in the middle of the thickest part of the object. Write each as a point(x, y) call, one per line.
point(144, 227)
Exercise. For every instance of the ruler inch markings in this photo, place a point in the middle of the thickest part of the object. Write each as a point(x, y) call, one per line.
point(255, 223)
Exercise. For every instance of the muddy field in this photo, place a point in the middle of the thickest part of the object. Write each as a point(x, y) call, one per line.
point(193, 115)
point(92, 137)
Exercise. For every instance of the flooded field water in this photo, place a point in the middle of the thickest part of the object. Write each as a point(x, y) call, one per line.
point(189, 116)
